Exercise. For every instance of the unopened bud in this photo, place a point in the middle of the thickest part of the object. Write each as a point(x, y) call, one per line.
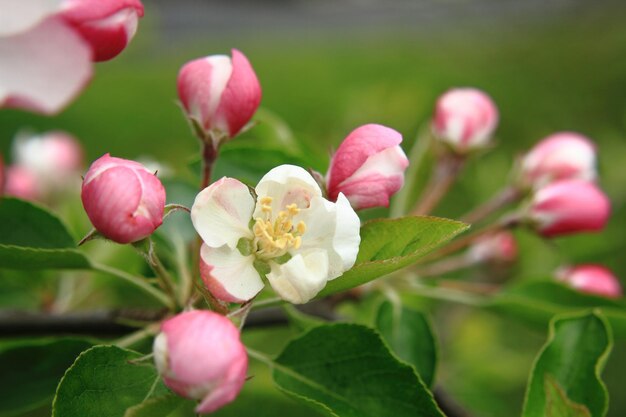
point(368, 168)
point(219, 94)
point(497, 247)
point(21, 183)
point(199, 355)
point(465, 119)
point(592, 279)
point(569, 206)
point(124, 201)
point(560, 156)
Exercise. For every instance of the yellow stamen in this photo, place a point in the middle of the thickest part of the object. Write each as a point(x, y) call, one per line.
point(275, 238)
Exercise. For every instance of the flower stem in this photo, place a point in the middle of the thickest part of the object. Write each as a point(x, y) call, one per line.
point(139, 282)
point(262, 357)
point(209, 155)
point(506, 196)
point(444, 266)
point(445, 172)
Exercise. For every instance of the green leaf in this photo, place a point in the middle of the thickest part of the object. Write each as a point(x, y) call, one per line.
point(162, 406)
point(536, 302)
point(31, 370)
point(557, 403)
point(346, 370)
point(103, 382)
point(410, 336)
point(388, 245)
point(33, 238)
point(571, 361)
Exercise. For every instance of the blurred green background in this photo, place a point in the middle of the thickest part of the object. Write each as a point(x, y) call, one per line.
point(327, 67)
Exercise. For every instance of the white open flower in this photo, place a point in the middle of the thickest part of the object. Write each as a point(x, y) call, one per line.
point(290, 234)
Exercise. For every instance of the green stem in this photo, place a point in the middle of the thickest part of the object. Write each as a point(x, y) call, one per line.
point(137, 281)
point(261, 357)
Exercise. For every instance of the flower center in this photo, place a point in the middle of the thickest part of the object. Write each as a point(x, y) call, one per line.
point(274, 238)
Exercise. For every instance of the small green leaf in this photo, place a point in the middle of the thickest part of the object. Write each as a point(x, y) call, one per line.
point(388, 245)
point(33, 238)
point(557, 403)
point(573, 357)
point(31, 370)
point(410, 336)
point(162, 406)
point(103, 382)
point(346, 370)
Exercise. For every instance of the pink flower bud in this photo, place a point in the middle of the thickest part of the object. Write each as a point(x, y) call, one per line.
point(55, 158)
point(21, 183)
point(199, 355)
point(498, 247)
point(106, 25)
point(124, 201)
point(465, 119)
point(592, 279)
point(368, 167)
point(564, 155)
point(218, 93)
point(569, 206)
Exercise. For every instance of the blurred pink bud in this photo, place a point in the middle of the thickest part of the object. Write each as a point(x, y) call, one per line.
point(592, 279)
point(569, 206)
point(564, 155)
point(368, 168)
point(22, 183)
point(124, 201)
point(199, 354)
point(497, 247)
point(220, 94)
point(106, 25)
point(465, 119)
point(56, 158)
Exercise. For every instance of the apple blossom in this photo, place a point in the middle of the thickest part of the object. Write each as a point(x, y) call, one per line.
point(124, 201)
point(288, 233)
point(569, 206)
point(199, 355)
point(46, 48)
point(219, 94)
point(106, 25)
point(54, 158)
point(368, 168)
point(465, 119)
point(498, 247)
point(21, 183)
point(592, 279)
point(564, 155)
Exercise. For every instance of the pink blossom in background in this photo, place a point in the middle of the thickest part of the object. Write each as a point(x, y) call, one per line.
point(124, 201)
point(498, 247)
point(563, 155)
point(199, 355)
point(368, 168)
point(47, 47)
point(219, 93)
point(569, 206)
point(465, 119)
point(21, 183)
point(592, 279)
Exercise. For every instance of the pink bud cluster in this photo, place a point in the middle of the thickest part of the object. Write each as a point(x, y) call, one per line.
point(219, 94)
point(124, 201)
point(560, 170)
point(57, 42)
point(43, 165)
point(200, 356)
point(591, 279)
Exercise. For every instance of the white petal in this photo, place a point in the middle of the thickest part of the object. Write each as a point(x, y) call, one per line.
point(20, 15)
point(287, 184)
point(221, 213)
point(232, 275)
point(44, 68)
point(333, 227)
point(301, 278)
